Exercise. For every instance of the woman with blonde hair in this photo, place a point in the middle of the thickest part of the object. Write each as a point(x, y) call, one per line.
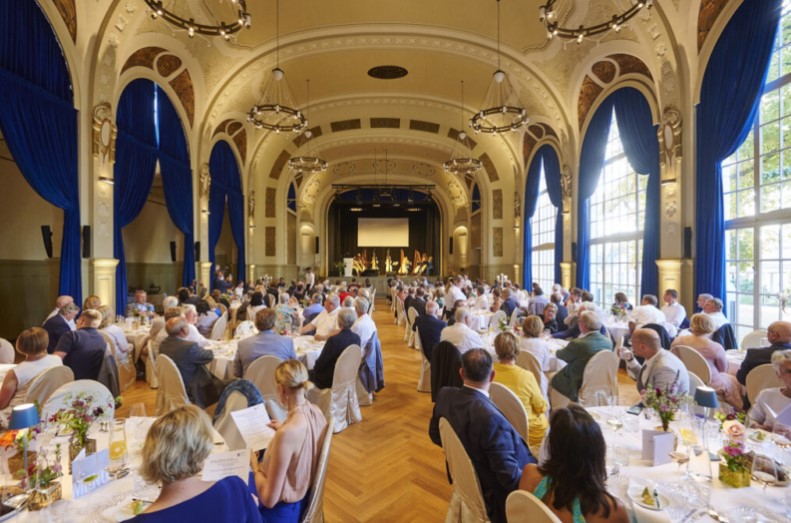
point(283, 478)
point(176, 446)
point(115, 332)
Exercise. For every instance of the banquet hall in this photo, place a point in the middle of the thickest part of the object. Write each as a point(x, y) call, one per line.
point(632, 146)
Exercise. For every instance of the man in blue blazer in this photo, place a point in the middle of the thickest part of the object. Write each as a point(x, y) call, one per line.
point(577, 354)
point(266, 343)
point(509, 303)
point(60, 324)
point(496, 450)
point(324, 369)
point(429, 328)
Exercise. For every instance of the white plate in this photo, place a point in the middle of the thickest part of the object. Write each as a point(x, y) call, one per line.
point(637, 498)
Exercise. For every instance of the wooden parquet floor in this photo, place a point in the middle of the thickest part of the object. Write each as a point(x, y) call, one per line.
point(385, 469)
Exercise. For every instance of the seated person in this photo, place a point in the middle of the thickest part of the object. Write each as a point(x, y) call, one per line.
point(779, 336)
point(713, 308)
point(266, 343)
point(314, 309)
point(60, 302)
point(577, 353)
point(115, 333)
point(538, 301)
point(429, 327)
point(325, 323)
point(140, 307)
point(206, 318)
point(509, 304)
point(772, 401)
point(495, 449)
point(549, 318)
point(60, 324)
point(283, 478)
point(557, 300)
point(460, 334)
point(91, 302)
point(286, 317)
point(363, 326)
point(572, 481)
point(324, 369)
point(621, 304)
point(481, 299)
point(574, 331)
point(190, 359)
point(674, 312)
point(32, 343)
point(660, 368)
point(191, 315)
point(176, 446)
point(255, 305)
point(646, 313)
point(83, 350)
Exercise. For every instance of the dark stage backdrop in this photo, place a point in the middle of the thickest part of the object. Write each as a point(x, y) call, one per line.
point(424, 233)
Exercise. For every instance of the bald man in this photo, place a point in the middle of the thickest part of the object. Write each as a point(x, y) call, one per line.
point(661, 368)
point(779, 335)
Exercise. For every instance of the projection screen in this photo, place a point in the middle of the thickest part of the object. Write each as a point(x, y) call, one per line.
point(382, 232)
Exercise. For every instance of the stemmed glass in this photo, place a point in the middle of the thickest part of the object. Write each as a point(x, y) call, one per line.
point(118, 451)
point(764, 470)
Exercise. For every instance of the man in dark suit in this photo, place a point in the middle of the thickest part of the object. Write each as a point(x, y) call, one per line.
point(60, 324)
point(324, 369)
point(577, 354)
point(779, 335)
point(496, 450)
point(419, 302)
point(509, 303)
point(409, 298)
point(429, 327)
point(265, 343)
point(189, 358)
point(83, 350)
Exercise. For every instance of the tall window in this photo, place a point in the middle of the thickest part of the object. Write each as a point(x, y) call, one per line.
point(756, 184)
point(291, 199)
point(543, 234)
point(476, 198)
point(617, 215)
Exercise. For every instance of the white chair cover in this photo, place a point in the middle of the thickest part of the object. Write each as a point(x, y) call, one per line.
point(219, 327)
point(401, 318)
point(694, 383)
point(694, 362)
point(6, 351)
point(171, 393)
point(530, 363)
point(364, 397)
point(245, 329)
point(511, 407)
point(47, 382)
point(225, 424)
point(315, 510)
point(496, 318)
point(618, 346)
point(466, 504)
point(127, 372)
point(424, 381)
point(410, 334)
point(760, 378)
point(600, 374)
point(373, 300)
point(521, 506)
point(514, 317)
point(151, 366)
point(262, 373)
point(340, 401)
point(755, 339)
point(66, 393)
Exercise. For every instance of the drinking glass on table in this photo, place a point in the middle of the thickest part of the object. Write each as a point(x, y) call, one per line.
point(764, 470)
point(118, 452)
point(781, 435)
point(137, 410)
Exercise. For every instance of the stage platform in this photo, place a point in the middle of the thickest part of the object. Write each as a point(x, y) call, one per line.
point(380, 282)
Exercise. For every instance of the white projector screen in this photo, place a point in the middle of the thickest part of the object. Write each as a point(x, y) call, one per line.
point(382, 232)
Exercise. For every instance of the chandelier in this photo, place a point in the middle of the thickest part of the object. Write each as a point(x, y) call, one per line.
point(548, 17)
point(459, 164)
point(275, 111)
point(504, 112)
point(235, 17)
point(310, 162)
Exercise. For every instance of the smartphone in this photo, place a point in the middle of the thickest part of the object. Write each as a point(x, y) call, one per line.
point(635, 409)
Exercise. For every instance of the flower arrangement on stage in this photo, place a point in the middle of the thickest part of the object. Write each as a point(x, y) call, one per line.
point(664, 402)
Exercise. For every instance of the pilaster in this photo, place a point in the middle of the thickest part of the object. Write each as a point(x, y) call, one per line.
point(104, 279)
point(205, 273)
point(566, 273)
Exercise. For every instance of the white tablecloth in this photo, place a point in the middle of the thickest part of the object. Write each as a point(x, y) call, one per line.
point(617, 328)
point(136, 338)
point(307, 349)
point(735, 359)
point(480, 320)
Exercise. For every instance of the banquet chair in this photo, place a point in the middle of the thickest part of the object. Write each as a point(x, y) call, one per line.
point(151, 367)
point(511, 407)
point(726, 337)
point(6, 351)
point(401, 315)
point(514, 318)
point(219, 327)
point(445, 365)
point(466, 502)
point(108, 372)
point(694, 383)
point(530, 363)
point(370, 377)
point(521, 506)
point(262, 374)
point(694, 362)
point(238, 395)
point(171, 392)
point(600, 376)
point(127, 373)
point(373, 299)
point(496, 318)
point(340, 401)
point(409, 335)
point(244, 329)
point(760, 378)
point(47, 382)
point(67, 393)
point(755, 339)
point(424, 381)
point(315, 509)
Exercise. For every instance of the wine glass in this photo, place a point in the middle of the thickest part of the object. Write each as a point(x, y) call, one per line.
point(781, 434)
point(764, 470)
point(137, 410)
point(118, 451)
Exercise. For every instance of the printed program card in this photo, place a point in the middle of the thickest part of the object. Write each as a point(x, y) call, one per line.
point(253, 425)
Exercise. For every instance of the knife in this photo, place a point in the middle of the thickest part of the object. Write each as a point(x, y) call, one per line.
point(656, 499)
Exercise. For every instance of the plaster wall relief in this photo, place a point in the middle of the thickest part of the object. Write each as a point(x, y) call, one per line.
point(270, 202)
point(497, 242)
point(670, 138)
point(104, 133)
point(68, 12)
point(497, 204)
point(270, 241)
point(710, 10)
point(205, 185)
point(457, 194)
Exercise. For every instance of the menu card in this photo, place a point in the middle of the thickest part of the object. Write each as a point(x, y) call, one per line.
point(253, 425)
point(657, 446)
point(88, 472)
point(220, 465)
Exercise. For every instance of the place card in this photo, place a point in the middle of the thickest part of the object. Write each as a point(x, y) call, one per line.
point(253, 425)
point(657, 446)
point(89, 472)
point(221, 465)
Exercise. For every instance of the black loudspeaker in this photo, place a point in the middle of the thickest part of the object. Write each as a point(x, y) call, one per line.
point(574, 252)
point(197, 251)
point(46, 235)
point(687, 242)
point(172, 251)
point(317, 245)
point(86, 241)
point(450, 245)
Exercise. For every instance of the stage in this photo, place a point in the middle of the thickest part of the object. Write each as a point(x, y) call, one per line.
point(379, 282)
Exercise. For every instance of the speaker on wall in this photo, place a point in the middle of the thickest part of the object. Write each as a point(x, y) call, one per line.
point(687, 242)
point(197, 251)
point(317, 245)
point(46, 235)
point(450, 245)
point(86, 241)
point(172, 251)
point(574, 252)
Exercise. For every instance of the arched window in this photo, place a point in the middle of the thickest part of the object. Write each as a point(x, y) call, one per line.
point(291, 199)
point(617, 215)
point(476, 198)
point(543, 235)
point(756, 185)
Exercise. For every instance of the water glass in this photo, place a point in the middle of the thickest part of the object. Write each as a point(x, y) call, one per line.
point(118, 450)
point(137, 410)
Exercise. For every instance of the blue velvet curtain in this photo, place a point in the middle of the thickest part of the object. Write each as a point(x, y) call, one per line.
point(174, 162)
point(226, 182)
point(729, 99)
point(135, 164)
point(39, 123)
point(547, 155)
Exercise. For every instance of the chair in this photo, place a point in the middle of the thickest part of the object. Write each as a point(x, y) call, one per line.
point(760, 378)
point(755, 339)
point(47, 382)
point(400, 315)
point(371, 373)
point(496, 318)
point(6, 351)
point(340, 401)
point(315, 513)
point(600, 374)
point(127, 372)
point(511, 407)
point(694, 362)
point(725, 337)
point(466, 503)
point(68, 392)
point(238, 395)
point(262, 373)
point(151, 367)
point(445, 365)
point(219, 327)
point(244, 329)
point(694, 383)
point(530, 363)
point(424, 381)
point(523, 506)
point(373, 299)
point(661, 331)
point(171, 393)
point(618, 346)
point(410, 334)
point(514, 317)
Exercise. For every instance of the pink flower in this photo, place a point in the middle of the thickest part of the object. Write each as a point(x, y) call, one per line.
point(733, 430)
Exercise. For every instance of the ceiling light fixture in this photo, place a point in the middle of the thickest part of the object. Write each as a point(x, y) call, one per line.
point(234, 18)
point(548, 16)
point(275, 111)
point(504, 112)
point(459, 164)
point(310, 162)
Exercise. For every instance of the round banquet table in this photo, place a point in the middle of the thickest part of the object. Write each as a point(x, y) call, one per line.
point(306, 347)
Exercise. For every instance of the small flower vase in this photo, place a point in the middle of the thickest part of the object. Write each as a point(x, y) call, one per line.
point(43, 497)
point(735, 479)
point(75, 448)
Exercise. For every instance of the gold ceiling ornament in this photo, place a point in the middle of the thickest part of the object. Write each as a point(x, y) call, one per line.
point(233, 17)
point(276, 110)
point(310, 162)
point(459, 164)
point(547, 14)
point(503, 111)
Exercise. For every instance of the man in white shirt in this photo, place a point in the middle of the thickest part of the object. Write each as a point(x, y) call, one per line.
point(661, 368)
point(363, 326)
point(310, 278)
point(713, 308)
point(455, 293)
point(460, 334)
point(702, 299)
point(482, 301)
point(646, 313)
point(326, 323)
point(674, 312)
point(191, 315)
point(61, 302)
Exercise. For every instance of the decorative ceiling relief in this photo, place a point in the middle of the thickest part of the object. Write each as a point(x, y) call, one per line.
point(497, 204)
point(535, 133)
point(236, 130)
point(604, 73)
point(488, 166)
point(710, 10)
point(457, 194)
point(280, 163)
point(104, 133)
point(68, 12)
point(182, 85)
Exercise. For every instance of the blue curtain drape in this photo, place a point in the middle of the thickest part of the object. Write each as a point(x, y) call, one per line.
point(226, 183)
point(39, 123)
point(174, 162)
point(729, 99)
point(135, 164)
point(547, 156)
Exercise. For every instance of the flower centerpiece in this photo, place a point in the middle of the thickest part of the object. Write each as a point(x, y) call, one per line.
point(44, 478)
point(504, 325)
point(619, 312)
point(736, 463)
point(76, 419)
point(665, 402)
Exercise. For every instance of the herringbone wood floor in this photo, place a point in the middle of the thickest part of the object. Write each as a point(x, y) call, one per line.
point(385, 469)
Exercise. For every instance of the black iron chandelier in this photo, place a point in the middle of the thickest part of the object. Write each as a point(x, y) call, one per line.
point(217, 27)
point(458, 163)
point(548, 16)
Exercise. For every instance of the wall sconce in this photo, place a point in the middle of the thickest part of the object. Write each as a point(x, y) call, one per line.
point(107, 180)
